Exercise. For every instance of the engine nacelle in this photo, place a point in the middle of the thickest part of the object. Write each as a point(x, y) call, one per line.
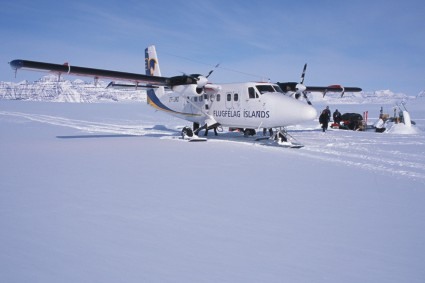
point(212, 89)
point(192, 85)
point(202, 81)
point(188, 90)
point(300, 87)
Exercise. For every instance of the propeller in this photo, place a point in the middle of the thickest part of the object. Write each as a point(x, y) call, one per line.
point(301, 88)
point(209, 74)
point(303, 74)
point(193, 84)
point(201, 80)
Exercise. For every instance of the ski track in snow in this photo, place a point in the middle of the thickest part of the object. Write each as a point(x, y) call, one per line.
point(345, 147)
point(94, 127)
point(369, 152)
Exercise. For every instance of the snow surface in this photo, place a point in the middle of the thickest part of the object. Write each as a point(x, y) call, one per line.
point(105, 192)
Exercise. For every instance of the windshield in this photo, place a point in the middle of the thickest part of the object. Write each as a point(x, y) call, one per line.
point(265, 88)
point(277, 88)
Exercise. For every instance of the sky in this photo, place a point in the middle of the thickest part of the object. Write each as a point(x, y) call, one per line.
point(374, 45)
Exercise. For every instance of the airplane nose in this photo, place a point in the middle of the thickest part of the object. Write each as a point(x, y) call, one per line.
point(295, 111)
point(309, 113)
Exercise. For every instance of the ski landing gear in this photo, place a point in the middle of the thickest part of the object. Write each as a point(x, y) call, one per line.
point(282, 138)
point(189, 135)
point(286, 140)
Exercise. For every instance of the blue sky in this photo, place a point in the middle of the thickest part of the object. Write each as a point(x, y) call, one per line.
point(371, 44)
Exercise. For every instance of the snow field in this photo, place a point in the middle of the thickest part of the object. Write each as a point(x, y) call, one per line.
point(104, 192)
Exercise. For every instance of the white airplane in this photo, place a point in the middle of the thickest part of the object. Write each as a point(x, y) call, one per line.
point(245, 106)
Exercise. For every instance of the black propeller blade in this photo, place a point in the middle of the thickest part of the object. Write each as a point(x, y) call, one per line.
point(303, 74)
point(301, 88)
point(216, 66)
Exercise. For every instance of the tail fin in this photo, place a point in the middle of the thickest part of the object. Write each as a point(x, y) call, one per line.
point(152, 69)
point(151, 62)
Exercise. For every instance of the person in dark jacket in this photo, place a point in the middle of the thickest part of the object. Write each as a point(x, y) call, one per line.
point(324, 119)
point(337, 116)
point(327, 113)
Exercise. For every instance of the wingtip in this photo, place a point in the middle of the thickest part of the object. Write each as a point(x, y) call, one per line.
point(16, 64)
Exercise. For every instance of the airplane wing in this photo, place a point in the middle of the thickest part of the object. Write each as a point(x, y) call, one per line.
point(333, 88)
point(299, 89)
point(292, 86)
point(188, 85)
point(89, 72)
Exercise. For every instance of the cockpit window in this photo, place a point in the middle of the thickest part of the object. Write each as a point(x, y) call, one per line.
point(265, 88)
point(252, 93)
point(277, 88)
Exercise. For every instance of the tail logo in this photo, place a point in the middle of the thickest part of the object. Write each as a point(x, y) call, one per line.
point(152, 65)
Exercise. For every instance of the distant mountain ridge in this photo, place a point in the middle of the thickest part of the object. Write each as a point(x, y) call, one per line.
point(48, 88)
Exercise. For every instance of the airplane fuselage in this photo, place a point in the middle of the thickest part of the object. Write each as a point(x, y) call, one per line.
point(242, 105)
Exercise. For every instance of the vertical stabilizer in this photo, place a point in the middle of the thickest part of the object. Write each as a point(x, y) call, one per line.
point(151, 62)
point(152, 69)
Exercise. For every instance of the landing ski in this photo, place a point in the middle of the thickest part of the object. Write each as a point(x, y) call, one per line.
point(271, 141)
point(195, 139)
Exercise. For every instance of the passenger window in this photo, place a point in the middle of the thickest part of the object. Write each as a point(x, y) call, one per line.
point(229, 97)
point(195, 99)
point(235, 97)
point(200, 98)
point(218, 97)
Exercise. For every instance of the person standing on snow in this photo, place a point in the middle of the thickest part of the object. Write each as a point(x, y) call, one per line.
point(324, 118)
point(337, 117)
point(328, 113)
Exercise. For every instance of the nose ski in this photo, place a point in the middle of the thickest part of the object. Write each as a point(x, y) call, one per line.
point(282, 138)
